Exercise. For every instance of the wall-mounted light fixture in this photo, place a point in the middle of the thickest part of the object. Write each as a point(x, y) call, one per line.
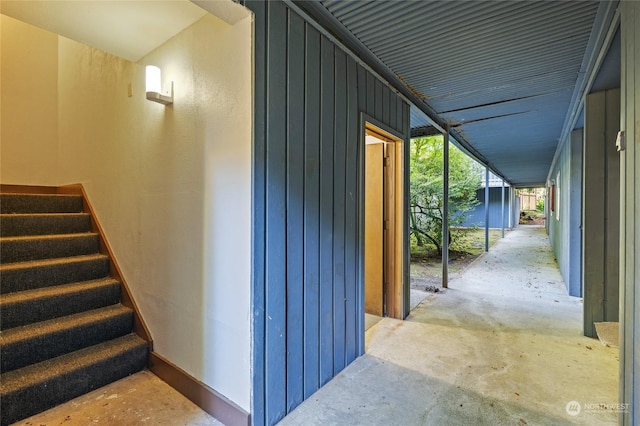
point(620, 142)
point(154, 86)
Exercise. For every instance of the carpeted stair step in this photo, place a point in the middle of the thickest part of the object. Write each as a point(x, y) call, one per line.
point(63, 331)
point(23, 276)
point(26, 307)
point(20, 249)
point(14, 225)
point(33, 343)
point(40, 203)
point(33, 389)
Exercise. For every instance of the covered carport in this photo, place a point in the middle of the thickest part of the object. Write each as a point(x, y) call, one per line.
point(507, 82)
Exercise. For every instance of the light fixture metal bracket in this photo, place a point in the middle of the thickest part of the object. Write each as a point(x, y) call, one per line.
point(160, 98)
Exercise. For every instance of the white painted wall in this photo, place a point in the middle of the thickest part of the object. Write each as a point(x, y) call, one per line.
point(171, 185)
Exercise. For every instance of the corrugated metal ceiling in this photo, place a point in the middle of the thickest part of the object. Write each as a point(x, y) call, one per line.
point(501, 73)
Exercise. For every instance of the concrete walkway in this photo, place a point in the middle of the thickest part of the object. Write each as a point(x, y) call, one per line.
point(140, 399)
point(502, 346)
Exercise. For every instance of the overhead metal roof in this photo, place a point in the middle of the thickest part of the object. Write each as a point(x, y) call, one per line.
point(505, 75)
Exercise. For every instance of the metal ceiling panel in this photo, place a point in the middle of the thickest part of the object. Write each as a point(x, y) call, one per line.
point(502, 73)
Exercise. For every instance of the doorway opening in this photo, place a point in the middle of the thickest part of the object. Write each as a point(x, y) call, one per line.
point(383, 225)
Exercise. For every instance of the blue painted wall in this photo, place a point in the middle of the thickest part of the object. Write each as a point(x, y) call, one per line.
point(563, 223)
point(308, 206)
point(476, 217)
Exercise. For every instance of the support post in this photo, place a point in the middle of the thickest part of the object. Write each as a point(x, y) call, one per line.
point(486, 209)
point(445, 210)
point(511, 225)
point(502, 211)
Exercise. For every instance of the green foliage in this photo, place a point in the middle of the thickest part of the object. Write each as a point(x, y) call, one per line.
point(540, 205)
point(426, 192)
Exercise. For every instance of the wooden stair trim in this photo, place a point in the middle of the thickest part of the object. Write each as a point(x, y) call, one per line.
point(126, 297)
point(28, 189)
point(199, 393)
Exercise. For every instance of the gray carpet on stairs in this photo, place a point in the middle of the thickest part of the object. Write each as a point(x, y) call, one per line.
point(29, 203)
point(12, 225)
point(64, 332)
point(41, 304)
point(20, 249)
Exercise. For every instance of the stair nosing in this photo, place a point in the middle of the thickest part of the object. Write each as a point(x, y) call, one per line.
point(4, 215)
point(35, 194)
point(60, 289)
point(30, 331)
point(36, 237)
point(53, 261)
point(34, 373)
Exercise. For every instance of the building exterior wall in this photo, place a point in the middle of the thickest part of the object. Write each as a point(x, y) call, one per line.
point(630, 215)
point(171, 186)
point(476, 216)
point(308, 206)
point(601, 213)
point(574, 280)
point(558, 217)
point(563, 223)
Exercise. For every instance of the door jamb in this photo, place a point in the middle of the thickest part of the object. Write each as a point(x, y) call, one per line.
point(401, 286)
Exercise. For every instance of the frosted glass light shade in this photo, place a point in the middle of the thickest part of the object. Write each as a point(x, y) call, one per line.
point(154, 86)
point(153, 79)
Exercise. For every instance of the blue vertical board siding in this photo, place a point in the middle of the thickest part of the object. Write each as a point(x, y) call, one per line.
point(326, 208)
point(311, 214)
point(400, 119)
point(378, 98)
point(476, 217)
point(393, 116)
point(339, 204)
point(259, 197)
point(351, 213)
point(276, 233)
point(308, 172)
point(362, 92)
point(371, 94)
point(386, 95)
point(295, 210)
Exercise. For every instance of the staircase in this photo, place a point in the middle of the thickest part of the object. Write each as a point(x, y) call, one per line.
point(63, 330)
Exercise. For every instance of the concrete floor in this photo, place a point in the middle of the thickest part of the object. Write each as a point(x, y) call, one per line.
point(502, 346)
point(141, 398)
